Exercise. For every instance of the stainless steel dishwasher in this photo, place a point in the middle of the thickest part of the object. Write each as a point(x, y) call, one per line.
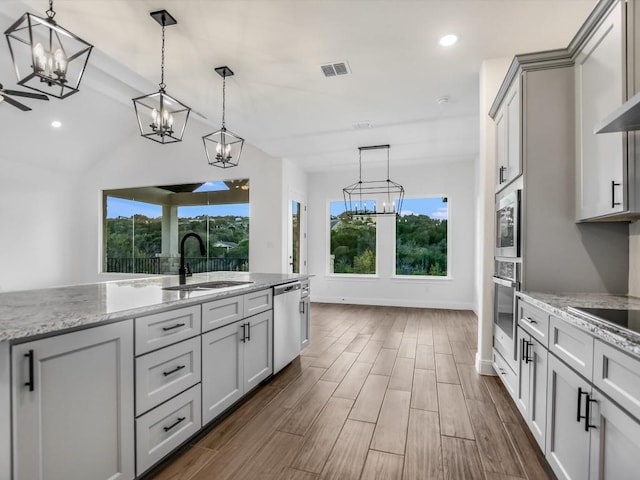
point(286, 324)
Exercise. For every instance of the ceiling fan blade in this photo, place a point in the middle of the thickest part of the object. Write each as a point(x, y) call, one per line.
point(19, 105)
point(16, 93)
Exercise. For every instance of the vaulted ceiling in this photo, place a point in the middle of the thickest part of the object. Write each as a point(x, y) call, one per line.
point(279, 100)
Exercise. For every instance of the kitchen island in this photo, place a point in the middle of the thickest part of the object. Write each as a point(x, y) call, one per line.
point(111, 377)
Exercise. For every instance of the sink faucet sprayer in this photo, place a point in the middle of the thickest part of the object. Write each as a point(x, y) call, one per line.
point(185, 272)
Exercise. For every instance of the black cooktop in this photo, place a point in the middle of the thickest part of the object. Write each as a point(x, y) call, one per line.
point(627, 319)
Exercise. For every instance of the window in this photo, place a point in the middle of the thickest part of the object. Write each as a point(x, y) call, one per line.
point(142, 235)
point(352, 242)
point(421, 237)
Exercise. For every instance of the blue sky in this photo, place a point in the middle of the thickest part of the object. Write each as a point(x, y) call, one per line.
point(117, 207)
point(434, 207)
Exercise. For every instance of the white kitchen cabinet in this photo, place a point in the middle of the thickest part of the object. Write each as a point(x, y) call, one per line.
point(531, 394)
point(508, 133)
point(235, 358)
point(305, 322)
point(615, 441)
point(258, 349)
point(600, 88)
point(73, 405)
point(568, 439)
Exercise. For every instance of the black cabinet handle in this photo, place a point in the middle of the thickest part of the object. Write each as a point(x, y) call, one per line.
point(522, 356)
point(177, 325)
point(587, 415)
point(529, 357)
point(180, 420)
point(580, 393)
point(502, 170)
point(30, 383)
point(530, 320)
point(614, 204)
point(244, 332)
point(248, 331)
point(179, 367)
point(301, 307)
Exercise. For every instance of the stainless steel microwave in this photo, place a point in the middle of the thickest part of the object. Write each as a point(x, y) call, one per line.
point(508, 226)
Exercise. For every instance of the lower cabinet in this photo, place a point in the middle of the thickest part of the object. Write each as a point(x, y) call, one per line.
point(567, 423)
point(72, 399)
point(235, 358)
point(305, 322)
point(531, 392)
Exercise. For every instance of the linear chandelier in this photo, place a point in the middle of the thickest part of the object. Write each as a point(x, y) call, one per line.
point(161, 117)
point(223, 148)
point(375, 197)
point(46, 57)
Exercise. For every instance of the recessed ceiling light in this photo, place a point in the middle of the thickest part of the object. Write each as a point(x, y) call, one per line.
point(448, 40)
point(56, 124)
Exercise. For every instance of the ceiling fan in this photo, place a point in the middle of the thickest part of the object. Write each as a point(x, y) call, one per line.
point(4, 95)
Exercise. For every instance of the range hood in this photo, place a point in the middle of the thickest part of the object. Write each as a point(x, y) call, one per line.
point(623, 119)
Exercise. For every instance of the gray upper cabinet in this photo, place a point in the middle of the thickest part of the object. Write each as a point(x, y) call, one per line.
point(600, 76)
point(73, 405)
point(508, 132)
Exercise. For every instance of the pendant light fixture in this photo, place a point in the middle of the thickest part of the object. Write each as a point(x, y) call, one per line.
point(376, 197)
point(161, 117)
point(223, 147)
point(46, 57)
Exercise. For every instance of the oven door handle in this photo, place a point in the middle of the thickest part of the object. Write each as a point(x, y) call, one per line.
point(505, 283)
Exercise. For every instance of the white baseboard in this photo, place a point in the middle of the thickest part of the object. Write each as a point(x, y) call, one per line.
point(484, 367)
point(395, 302)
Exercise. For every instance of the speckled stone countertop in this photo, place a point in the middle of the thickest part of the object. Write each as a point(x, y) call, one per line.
point(557, 304)
point(38, 312)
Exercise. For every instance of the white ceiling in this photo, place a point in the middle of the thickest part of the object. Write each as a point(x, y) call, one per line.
point(279, 99)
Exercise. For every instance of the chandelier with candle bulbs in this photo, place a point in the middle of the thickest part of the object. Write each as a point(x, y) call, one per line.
point(161, 117)
point(46, 57)
point(223, 148)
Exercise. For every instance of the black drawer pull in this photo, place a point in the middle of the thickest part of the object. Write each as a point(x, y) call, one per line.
point(244, 333)
point(180, 420)
point(248, 331)
point(177, 325)
point(587, 415)
point(179, 367)
point(580, 393)
point(530, 320)
point(30, 383)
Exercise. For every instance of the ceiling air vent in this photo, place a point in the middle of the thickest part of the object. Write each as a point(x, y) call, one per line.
point(334, 69)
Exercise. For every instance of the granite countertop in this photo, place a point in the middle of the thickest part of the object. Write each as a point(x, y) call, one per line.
point(557, 304)
point(38, 312)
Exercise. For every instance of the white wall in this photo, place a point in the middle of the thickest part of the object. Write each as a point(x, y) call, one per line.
point(492, 74)
point(455, 181)
point(36, 240)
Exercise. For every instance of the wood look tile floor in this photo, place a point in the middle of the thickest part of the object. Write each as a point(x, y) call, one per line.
point(380, 393)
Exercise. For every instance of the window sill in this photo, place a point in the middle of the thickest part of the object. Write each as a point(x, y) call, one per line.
point(423, 278)
point(359, 276)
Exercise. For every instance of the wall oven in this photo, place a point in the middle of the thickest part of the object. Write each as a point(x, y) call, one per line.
point(508, 225)
point(506, 283)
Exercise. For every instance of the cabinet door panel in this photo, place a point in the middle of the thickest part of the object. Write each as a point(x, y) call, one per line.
point(77, 423)
point(258, 355)
point(514, 158)
point(567, 448)
point(538, 377)
point(222, 366)
point(600, 89)
point(305, 323)
point(615, 442)
point(501, 148)
point(523, 391)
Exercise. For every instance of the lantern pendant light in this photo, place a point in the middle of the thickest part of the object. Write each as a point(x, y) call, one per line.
point(46, 57)
point(223, 148)
point(161, 117)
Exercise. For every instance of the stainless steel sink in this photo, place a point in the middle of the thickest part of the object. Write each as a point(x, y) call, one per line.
point(207, 285)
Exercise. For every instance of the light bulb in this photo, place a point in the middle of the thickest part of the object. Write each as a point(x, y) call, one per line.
point(39, 58)
point(154, 118)
point(60, 64)
point(218, 148)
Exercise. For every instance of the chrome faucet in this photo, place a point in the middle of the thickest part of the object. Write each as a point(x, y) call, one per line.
point(185, 272)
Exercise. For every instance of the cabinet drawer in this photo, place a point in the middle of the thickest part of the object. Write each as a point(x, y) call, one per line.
point(256, 302)
point(572, 345)
point(618, 375)
point(162, 329)
point(534, 321)
point(163, 429)
point(164, 373)
point(222, 312)
point(506, 346)
point(506, 373)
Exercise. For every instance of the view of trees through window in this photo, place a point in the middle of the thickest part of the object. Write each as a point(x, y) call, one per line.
point(421, 237)
point(134, 229)
point(353, 242)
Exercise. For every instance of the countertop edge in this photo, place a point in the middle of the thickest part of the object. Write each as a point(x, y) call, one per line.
point(624, 340)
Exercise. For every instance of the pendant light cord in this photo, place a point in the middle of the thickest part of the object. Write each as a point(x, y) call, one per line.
point(224, 86)
point(162, 84)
